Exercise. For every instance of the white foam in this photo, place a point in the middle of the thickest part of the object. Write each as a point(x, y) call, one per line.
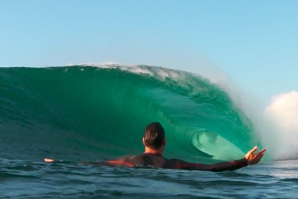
point(283, 113)
point(284, 109)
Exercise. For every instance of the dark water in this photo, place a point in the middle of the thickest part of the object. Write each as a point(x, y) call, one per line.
point(19, 179)
point(88, 113)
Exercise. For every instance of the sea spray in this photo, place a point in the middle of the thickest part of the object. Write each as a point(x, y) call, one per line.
point(282, 112)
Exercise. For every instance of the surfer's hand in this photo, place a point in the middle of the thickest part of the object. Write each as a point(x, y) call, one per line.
point(49, 160)
point(254, 158)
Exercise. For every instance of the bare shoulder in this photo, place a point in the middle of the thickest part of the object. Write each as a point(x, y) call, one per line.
point(177, 162)
point(125, 158)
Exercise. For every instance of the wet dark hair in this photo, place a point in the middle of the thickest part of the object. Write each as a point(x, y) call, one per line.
point(154, 135)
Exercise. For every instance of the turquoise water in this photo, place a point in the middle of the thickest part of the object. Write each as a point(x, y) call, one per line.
point(96, 113)
point(78, 113)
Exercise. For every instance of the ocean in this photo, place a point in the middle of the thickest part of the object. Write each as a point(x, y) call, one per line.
point(92, 113)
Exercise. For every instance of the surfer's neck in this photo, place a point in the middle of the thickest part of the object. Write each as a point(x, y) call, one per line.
point(149, 150)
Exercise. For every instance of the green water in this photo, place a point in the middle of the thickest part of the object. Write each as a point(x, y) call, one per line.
point(93, 113)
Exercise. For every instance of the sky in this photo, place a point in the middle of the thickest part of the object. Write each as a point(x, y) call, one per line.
point(252, 42)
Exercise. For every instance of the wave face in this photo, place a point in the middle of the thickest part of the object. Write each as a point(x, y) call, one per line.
point(87, 113)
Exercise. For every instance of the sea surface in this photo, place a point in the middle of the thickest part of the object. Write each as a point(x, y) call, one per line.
point(96, 113)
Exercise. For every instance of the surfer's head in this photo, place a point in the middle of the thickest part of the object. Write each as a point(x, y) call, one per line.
point(154, 136)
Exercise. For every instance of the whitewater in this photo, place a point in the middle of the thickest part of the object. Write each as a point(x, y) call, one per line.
point(95, 113)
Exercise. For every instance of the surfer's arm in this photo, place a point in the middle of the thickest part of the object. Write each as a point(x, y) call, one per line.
point(121, 161)
point(49, 160)
point(254, 158)
point(250, 158)
point(216, 167)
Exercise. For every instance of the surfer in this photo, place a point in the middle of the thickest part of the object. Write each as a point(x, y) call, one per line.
point(155, 142)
